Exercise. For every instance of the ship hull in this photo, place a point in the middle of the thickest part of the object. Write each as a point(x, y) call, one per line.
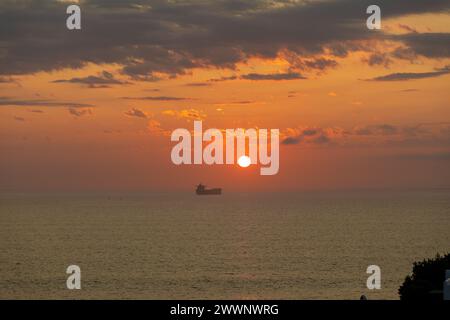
point(209, 192)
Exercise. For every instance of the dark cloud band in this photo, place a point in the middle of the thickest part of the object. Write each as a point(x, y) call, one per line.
point(155, 37)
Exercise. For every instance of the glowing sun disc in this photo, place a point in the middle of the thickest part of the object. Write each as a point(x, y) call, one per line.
point(244, 161)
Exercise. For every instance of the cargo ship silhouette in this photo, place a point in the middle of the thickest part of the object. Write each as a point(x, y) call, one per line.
point(202, 190)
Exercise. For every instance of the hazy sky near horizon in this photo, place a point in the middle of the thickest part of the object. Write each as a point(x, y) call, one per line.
point(92, 110)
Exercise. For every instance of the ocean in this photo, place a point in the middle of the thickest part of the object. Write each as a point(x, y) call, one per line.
point(304, 245)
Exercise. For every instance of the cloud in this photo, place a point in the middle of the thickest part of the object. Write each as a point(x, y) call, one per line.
point(136, 113)
point(378, 58)
point(423, 134)
point(405, 76)
point(221, 79)
point(310, 132)
point(291, 140)
point(153, 39)
point(189, 114)
point(19, 118)
point(298, 62)
point(238, 102)
point(243, 102)
point(407, 28)
point(322, 139)
point(104, 80)
point(6, 101)
point(294, 136)
point(80, 112)
point(272, 76)
point(198, 84)
point(409, 90)
point(159, 98)
point(380, 129)
point(430, 45)
point(7, 80)
point(154, 127)
point(319, 63)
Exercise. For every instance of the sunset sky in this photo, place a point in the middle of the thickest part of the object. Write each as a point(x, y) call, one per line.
point(92, 109)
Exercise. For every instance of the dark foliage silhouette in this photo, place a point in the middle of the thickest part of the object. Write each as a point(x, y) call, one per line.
point(426, 280)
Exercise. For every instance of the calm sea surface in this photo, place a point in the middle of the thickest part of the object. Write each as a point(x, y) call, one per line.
point(234, 246)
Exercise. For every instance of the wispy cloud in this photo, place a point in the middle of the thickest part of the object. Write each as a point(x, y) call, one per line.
point(273, 76)
point(409, 90)
point(189, 114)
point(158, 98)
point(299, 62)
point(134, 112)
point(7, 80)
point(198, 84)
point(257, 77)
point(154, 127)
point(317, 136)
point(80, 112)
point(378, 59)
point(405, 76)
point(104, 80)
point(407, 28)
point(7, 101)
point(372, 134)
point(221, 79)
point(152, 90)
point(380, 129)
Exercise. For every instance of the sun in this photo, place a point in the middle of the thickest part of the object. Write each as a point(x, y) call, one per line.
point(244, 161)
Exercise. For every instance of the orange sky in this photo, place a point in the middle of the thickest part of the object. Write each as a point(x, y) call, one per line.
point(376, 134)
